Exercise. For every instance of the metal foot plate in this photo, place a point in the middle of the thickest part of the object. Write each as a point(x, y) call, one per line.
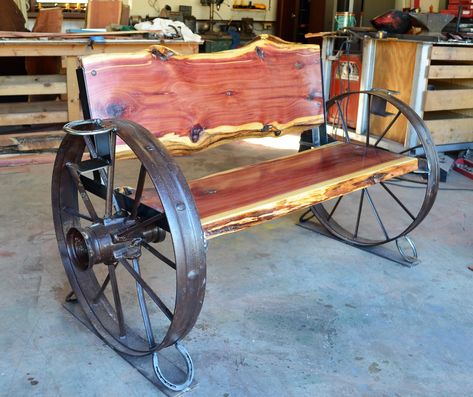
point(379, 250)
point(144, 365)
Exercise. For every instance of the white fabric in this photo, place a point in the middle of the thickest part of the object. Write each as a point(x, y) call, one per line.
point(22, 6)
point(165, 26)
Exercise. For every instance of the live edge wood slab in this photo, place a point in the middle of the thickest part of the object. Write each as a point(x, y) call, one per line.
point(196, 101)
point(237, 199)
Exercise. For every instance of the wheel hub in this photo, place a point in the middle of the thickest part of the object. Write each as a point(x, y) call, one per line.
point(98, 243)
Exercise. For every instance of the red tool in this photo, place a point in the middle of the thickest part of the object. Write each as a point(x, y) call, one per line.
point(464, 166)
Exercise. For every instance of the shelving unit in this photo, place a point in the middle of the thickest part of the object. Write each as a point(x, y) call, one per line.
point(448, 109)
point(59, 111)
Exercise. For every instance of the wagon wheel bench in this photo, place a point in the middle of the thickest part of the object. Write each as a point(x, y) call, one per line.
point(107, 225)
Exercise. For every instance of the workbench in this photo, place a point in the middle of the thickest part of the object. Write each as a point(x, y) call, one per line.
point(434, 78)
point(60, 111)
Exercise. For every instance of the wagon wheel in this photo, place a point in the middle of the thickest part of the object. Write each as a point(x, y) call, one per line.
point(138, 274)
point(397, 206)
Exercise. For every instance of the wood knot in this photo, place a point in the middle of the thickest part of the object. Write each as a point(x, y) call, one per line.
point(271, 128)
point(266, 128)
point(115, 110)
point(298, 65)
point(260, 53)
point(196, 130)
point(311, 96)
point(376, 178)
point(162, 53)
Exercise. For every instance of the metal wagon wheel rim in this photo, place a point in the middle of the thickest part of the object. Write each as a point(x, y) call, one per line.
point(180, 217)
point(428, 165)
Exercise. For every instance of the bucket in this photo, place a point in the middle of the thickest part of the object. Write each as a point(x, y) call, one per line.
point(344, 20)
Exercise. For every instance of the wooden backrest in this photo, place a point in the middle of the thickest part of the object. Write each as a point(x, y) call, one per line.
point(195, 101)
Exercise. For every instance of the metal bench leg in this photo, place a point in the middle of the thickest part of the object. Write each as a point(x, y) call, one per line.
point(413, 259)
point(189, 374)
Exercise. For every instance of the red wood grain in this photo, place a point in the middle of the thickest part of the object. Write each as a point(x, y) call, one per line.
point(259, 182)
point(233, 200)
point(205, 98)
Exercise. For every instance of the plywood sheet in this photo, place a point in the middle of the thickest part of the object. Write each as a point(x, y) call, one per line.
point(394, 70)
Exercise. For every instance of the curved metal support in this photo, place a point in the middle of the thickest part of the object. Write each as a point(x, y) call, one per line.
point(306, 216)
point(189, 374)
point(412, 259)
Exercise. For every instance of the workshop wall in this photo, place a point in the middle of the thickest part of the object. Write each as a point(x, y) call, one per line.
point(152, 8)
point(373, 8)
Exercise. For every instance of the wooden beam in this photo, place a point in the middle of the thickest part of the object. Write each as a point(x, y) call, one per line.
point(451, 130)
point(442, 53)
point(74, 110)
point(33, 85)
point(33, 113)
point(35, 35)
point(30, 141)
point(448, 100)
point(20, 160)
point(451, 72)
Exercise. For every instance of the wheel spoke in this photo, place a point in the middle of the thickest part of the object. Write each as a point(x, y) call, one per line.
point(398, 201)
point(344, 124)
point(83, 193)
point(110, 176)
point(360, 208)
point(139, 191)
point(148, 289)
point(158, 254)
point(90, 146)
point(387, 128)
point(368, 123)
point(399, 178)
point(334, 208)
point(77, 214)
point(117, 300)
point(380, 222)
point(143, 307)
point(409, 149)
point(102, 288)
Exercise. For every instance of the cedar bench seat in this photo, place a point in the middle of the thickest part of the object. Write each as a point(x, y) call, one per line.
point(233, 200)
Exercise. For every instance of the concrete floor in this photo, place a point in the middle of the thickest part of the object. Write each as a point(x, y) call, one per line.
point(287, 312)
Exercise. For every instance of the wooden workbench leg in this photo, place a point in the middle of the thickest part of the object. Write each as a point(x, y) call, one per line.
point(73, 103)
